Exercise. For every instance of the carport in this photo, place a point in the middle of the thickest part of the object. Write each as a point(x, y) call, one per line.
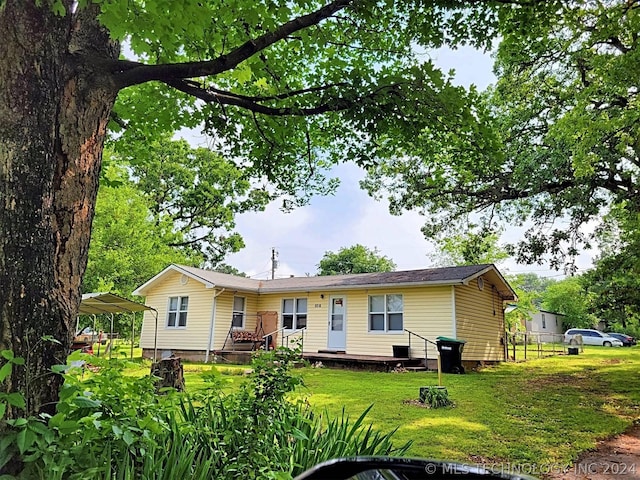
point(100, 303)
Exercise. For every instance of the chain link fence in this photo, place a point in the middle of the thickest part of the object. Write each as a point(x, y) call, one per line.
point(523, 346)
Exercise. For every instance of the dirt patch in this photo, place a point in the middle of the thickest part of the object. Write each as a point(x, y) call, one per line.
point(416, 403)
point(616, 457)
point(486, 462)
point(611, 361)
point(544, 382)
point(582, 381)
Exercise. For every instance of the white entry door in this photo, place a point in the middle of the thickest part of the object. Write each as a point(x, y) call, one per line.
point(337, 338)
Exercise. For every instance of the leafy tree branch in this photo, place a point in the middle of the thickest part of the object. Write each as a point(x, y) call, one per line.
point(134, 75)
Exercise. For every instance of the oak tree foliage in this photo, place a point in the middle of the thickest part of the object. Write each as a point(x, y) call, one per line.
point(354, 259)
point(161, 202)
point(614, 282)
point(197, 190)
point(556, 143)
point(128, 244)
point(571, 298)
point(469, 248)
point(530, 289)
point(229, 269)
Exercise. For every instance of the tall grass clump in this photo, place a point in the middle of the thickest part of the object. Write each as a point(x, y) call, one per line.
point(321, 438)
point(112, 426)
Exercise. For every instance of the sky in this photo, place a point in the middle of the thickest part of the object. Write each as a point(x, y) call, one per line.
point(350, 217)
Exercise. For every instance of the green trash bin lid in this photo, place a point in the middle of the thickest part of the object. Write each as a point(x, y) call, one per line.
point(449, 339)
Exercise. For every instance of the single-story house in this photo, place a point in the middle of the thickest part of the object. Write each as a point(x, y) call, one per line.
point(199, 310)
point(546, 326)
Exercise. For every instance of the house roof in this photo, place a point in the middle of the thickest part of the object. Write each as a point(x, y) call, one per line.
point(209, 278)
point(218, 279)
point(512, 306)
point(541, 310)
point(429, 276)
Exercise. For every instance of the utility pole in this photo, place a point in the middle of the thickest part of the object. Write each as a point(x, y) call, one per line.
point(274, 262)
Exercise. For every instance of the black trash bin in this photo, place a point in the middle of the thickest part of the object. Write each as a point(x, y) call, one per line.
point(450, 354)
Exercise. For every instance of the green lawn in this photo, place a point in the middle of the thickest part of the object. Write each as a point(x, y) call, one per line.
point(542, 411)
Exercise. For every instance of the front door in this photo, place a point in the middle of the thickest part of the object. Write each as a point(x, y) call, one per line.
point(337, 339)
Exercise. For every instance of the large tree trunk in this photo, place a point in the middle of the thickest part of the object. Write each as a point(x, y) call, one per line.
point(54, 108)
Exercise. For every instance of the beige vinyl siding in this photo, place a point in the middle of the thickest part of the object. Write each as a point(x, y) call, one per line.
point(224, 311)
point(427, 312)
point(315, 336)
point(201, 304)
point(196, 334)
point(480, 321)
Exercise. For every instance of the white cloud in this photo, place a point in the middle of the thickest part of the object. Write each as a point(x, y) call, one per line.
point(263, 231)
point(471, 66)
point(303, 236)
point(397, 237)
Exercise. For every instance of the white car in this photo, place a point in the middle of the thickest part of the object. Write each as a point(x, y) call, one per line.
point(590, 337)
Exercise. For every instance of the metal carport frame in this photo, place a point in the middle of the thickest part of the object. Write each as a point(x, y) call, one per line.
point(98, 303)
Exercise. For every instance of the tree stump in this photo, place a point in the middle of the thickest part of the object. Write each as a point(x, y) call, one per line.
point(169, 372)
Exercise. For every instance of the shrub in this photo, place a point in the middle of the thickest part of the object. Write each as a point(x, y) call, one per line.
point(435, 397)
point(111, 426)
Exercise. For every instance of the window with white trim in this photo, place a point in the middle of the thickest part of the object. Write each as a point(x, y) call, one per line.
point(386, 313)
point(177, 312)
point(294, 313)
point(237, 316)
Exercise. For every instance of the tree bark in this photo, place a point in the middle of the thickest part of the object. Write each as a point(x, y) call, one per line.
point(59, 76)
point(54, 109)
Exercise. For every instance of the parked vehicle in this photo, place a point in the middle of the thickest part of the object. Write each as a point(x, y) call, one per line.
point(627, 340)
point(381, 468)
point(590, 337)
point(87, 335)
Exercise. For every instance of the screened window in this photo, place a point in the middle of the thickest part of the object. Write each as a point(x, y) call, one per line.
point(386, 313)
point(237, 320)
point(177, 312)
point(294, 313)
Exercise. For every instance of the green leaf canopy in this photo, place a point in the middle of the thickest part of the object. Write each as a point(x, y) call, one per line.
point(555, 142)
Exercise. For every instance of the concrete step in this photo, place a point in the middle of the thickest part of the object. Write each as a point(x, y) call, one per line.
point(417, 368)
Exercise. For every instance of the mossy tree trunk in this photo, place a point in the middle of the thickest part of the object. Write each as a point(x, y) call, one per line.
point(54, 109)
